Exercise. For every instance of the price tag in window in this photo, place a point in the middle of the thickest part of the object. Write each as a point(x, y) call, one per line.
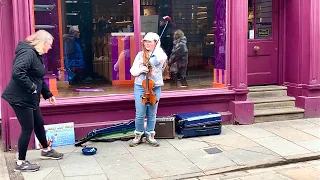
point(251, 34)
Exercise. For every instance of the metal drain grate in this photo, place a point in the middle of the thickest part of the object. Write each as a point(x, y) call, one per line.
point(212, 150)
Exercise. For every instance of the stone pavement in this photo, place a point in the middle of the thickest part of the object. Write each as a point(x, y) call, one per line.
point(237, 148)
point(309, 170)
point(4, 174)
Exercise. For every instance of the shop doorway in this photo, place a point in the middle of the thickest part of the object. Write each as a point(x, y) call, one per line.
point(263, 44)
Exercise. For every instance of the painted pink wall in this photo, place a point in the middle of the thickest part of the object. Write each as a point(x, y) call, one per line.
point(15, 25)
point(6, 51)
point(97, 112)
point(292, 38)
point(137, 25)
point(302, 45)
point(237, 15)
point(302, 57)
point(238, 12)
point(315, 43)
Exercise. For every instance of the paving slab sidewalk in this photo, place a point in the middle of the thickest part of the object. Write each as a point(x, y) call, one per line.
point(4, 174)
point(309, 170)
point(237, 147)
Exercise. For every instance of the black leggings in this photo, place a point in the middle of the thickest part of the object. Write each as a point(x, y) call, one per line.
point(29, 119)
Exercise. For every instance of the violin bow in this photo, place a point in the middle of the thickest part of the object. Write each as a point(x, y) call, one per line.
point(167, 19)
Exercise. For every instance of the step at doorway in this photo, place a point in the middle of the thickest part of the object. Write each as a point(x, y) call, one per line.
point(271, 103)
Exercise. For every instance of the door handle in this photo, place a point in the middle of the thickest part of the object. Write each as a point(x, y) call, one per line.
point(256, 48)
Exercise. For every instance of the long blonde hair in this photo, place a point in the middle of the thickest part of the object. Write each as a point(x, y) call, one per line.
point(178, 34)
point(146, 55)
point(38, 40)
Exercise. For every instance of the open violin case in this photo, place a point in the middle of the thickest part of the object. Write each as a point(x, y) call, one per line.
point(195, 124)
point(121, 131)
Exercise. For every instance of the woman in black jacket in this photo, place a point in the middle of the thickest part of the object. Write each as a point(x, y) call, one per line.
point(23, 95)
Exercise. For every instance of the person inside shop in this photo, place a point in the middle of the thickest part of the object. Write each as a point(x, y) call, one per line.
point(73, 55)
point(23, 93)
point(178, 60)
point(101, 25)
point(158, 62)
point(112, 26)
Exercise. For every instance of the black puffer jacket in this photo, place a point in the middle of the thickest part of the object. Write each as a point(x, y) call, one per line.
point(27, 76)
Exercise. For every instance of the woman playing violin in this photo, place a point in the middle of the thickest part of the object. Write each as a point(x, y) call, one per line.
point(140, 70)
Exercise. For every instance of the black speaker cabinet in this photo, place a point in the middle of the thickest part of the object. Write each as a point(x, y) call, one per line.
point(165, 127)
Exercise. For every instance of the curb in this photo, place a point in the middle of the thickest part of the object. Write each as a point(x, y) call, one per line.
point(285, 161)
point(276, 162)
point(10, 161)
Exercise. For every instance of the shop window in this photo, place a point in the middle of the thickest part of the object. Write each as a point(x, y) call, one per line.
point(260, 19)
point(103, 26)
point(203, 23)
point(103, 51)
point(45, 17)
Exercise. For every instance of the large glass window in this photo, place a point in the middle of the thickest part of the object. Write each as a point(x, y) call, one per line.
point(203, 24)
point(103, 26)
point(46, 17)
point(95, 44)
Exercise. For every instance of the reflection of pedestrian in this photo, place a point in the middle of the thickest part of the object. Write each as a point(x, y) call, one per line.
point(178, 60)
point(208, 49)
point(23, 95)
point(101, 25)
point(73, 53)
point(121, 58)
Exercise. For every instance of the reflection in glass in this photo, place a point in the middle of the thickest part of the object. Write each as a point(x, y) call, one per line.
point(107, 43)
point(203, 23)
point(260, 19)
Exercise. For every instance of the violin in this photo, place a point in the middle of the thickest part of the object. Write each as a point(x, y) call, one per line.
point(149, 97)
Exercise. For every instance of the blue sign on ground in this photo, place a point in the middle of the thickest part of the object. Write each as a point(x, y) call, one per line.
point(58, 135)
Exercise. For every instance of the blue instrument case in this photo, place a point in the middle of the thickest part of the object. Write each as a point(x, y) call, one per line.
point(195, 124)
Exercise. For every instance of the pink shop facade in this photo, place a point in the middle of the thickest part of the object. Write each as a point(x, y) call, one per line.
point(250, 49)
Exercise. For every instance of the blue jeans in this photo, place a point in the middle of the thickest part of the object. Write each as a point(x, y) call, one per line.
point(142, 110)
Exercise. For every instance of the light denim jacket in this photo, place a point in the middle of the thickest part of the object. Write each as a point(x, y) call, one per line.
point(158, 62)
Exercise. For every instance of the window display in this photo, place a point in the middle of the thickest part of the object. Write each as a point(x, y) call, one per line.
point(98, 44)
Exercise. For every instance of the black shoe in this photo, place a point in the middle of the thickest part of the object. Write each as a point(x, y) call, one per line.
point(26, 166)
point(184, 82)
point(174, 81)
point(178, 77)
point(52, 154)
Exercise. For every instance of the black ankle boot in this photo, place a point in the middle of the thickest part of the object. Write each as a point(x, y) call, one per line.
point(184, 82)
point(173, 81)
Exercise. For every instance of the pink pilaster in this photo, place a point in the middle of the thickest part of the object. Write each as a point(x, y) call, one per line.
point(242, 109)
point(137, 26)
point(309, 98)
point(238, 43)
point(15, 25)
point(6, 52)
point(314, 73)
